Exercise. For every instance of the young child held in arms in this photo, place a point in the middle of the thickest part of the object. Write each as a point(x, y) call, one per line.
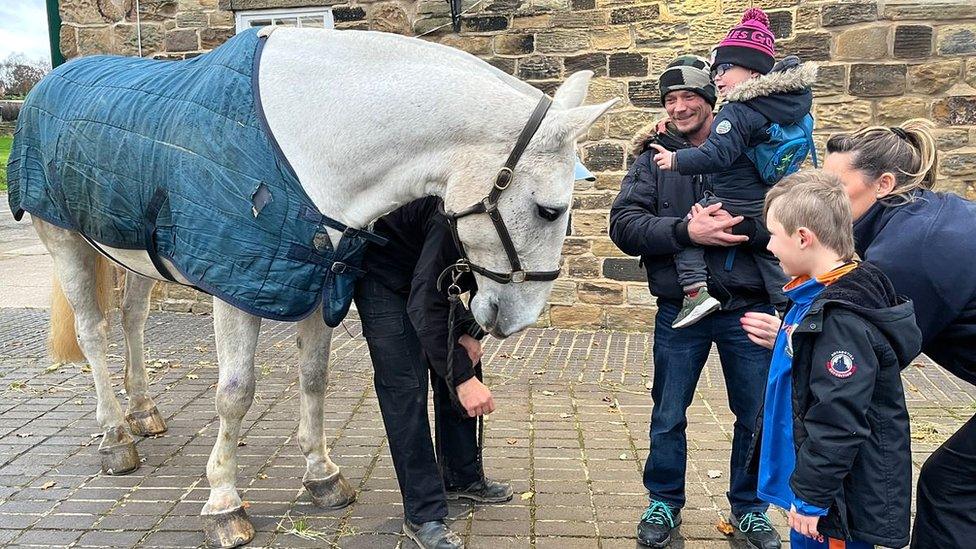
point(834, 441)
point(757, 96)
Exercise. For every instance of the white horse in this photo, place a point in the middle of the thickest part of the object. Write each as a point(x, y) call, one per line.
point(369, 121)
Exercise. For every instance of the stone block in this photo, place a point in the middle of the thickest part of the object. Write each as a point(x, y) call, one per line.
point(960, 163)
point(596, 62)
point(831, 80)
point(90, 12)
point(606, 293)
point(845, 114)
point(969, 73)
point(177, 305)
point(608, 181)
point(484, 23)
point(655, 34)
point(579, 316)
point(95, 40)
point(934, 77)
point(590, 224)
point(390, 17)
point(202, 308)
point(504, 6)
point(739, 6)
point(503, 64)
point(708, 30)
point(68, 41)
point(210, 38)
point(950, 139)
point(547, 87)
point(543, 21)
point(955, 111)
point(628, 64)
point(195, 19)
point(582, 267)
point(563, 292)
point(575, 246)
point(624, 124)
point(605, 89)
point(623, 269)
point(602, 157)
point(944, 10)
point(639, 294)
point(597, 132)
point(895, 111)
point(913, 41)
point(875, 80)
point(182, 40)
point(644, 93)
point(630, 319)
point(694, 7)
point(781, 23)
point(220, 19)
point(807, 18)
point(604, 247)
point(848, 13)
point(561, 42)
point(346, 14)
point(538, 67)
point(862, 43)
point(957, 40)
point(611, 39)
point(583, 4)
point(580, 19)
point(593, 201)
point(809, 46)
point(514, 44)
point(635, 14)
point(475, 45)
point(127, 39)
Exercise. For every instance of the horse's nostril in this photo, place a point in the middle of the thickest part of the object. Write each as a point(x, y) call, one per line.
point(549, 214)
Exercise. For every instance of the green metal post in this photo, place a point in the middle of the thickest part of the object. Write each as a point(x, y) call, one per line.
point(54, 32)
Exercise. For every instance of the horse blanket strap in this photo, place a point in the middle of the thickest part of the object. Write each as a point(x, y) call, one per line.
point(176, 158)
point(489, 206)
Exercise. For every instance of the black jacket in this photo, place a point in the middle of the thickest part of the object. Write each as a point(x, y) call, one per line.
point(647, 219)
point(420, 247)
point(782, 96)
point(928, 250)
point(851, 432)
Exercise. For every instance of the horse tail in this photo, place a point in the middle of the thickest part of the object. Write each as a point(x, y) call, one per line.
point(63, 339)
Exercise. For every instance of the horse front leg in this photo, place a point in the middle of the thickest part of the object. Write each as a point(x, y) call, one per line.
point(323, 480)
point(225, 521)
point(141, 413)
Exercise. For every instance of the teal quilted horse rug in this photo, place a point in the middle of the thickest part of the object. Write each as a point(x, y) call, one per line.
point(176, 158)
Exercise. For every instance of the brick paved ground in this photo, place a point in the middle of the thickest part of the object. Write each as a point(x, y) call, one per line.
point(570, 431)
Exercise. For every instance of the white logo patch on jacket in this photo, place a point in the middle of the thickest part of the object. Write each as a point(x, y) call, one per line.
point(841, 364)
point(723, 127)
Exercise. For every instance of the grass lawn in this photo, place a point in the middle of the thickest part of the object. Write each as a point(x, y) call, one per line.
point(5, 143)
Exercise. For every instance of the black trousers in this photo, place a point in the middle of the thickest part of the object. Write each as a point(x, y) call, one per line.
point(401, 377)
point(946, 502)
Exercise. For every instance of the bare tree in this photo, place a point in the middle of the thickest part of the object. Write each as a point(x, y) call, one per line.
point(18, 74)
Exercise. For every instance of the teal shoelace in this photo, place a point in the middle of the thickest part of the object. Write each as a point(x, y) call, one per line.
point(658, 513)
point(755, 522)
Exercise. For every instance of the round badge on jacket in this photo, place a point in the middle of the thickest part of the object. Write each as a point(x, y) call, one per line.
point(841, 364)
point(723, 127)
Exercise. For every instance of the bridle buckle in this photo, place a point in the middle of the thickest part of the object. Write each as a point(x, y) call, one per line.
point(504, 178)
point(518, 277)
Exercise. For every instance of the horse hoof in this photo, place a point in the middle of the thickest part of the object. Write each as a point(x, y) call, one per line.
point(228, 529)
point(331, 493)
point(118, 452)
point(146, 422)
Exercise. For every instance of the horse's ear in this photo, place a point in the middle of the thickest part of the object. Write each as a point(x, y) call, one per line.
point(574, 123)
point(572, 92)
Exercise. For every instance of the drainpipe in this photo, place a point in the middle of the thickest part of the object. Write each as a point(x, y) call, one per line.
point(54, 32)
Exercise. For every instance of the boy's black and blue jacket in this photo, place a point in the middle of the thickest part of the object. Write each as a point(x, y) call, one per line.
point(647, 219)
point(927, 249)
point(782, 97)
point(850, 422)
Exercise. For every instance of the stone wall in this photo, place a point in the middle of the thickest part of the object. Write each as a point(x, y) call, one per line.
point(881, 62)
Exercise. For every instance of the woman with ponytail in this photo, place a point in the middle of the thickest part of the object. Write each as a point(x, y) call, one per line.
point(925, 242)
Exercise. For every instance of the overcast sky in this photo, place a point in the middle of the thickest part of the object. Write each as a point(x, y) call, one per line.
point(23, 29)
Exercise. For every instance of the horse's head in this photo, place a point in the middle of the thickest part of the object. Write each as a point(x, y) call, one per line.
point(534, 209)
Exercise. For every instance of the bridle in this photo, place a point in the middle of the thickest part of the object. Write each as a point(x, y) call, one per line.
point(489, 205)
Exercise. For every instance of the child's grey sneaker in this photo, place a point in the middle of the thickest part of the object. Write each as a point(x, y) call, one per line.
point(696, 308)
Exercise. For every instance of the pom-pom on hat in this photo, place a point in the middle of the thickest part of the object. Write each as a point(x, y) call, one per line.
point(749, 44)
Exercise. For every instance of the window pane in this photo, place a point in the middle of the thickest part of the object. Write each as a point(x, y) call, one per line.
point(314, 21)
point(259, 22)
point(287, 22)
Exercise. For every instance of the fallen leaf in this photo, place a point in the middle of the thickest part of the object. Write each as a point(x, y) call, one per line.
point(539, 372)
point(623, 457)
point(246, 504)
point(648, 385)
point(608, 398)
point(24, 435)
point(526, 496)
point(724, 527)
point(512, 440)
point(714, 473)
point(564, 415)
point(53, 368)
point(241, 443)
point(47, 485)
point(548, 393)
point(262, 476)
point(192, 376)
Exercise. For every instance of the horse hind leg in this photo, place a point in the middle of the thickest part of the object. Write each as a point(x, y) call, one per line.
point(225, 522)
point(76, 263)
point(323, 480)
point(141, 413)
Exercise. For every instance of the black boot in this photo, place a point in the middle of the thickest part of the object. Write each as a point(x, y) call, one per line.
point(757, 529)
point(657, 523)
point(483, 491)
point(432, 535)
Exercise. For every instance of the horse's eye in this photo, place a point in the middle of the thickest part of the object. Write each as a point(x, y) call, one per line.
point(549, 214)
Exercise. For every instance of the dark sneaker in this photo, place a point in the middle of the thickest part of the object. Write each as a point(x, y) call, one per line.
point(483, 491)
point(758, 530)
point(696, 308)
point(432, 535)
point(657, 523)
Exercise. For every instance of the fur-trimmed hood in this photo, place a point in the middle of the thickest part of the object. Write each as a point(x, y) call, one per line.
point(661, 132)
point(783, 96)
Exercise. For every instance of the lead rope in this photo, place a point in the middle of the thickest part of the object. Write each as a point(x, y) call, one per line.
point(454, 301)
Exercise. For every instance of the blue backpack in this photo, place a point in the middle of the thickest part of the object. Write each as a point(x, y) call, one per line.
point(784, 151)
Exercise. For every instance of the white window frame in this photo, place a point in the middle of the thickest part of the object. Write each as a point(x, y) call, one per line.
point(242, 19)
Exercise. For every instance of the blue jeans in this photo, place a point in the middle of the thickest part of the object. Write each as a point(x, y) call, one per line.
point(679, 356)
